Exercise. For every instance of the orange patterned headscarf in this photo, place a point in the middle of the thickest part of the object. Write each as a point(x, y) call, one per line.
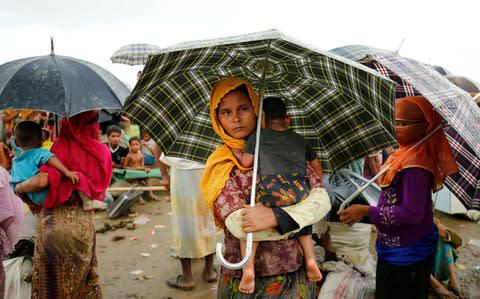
point(221, 162)
point(433, 155)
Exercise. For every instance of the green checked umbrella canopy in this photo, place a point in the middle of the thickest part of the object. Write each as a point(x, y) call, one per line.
point(344, 109)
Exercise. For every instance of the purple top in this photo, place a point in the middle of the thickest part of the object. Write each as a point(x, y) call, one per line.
point(404, 212)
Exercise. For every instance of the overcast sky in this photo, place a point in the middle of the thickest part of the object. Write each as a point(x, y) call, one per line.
point(441, 32)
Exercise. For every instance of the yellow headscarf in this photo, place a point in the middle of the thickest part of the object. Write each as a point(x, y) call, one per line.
point(221, 161)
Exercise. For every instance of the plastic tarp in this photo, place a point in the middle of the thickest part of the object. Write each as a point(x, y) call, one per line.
point(15, 286)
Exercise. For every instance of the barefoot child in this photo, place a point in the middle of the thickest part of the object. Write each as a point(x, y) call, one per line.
point(136, 160)
point(28, 159)
point(282, 170)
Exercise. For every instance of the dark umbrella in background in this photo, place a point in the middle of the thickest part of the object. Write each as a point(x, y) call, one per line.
point(59, 84)
point(465, 83)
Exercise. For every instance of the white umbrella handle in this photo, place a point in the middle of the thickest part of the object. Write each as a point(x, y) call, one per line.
point(240, 264)
point(361, 189)
point(249, 240)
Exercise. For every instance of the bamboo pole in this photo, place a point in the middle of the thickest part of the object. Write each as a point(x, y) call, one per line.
point(142, 188)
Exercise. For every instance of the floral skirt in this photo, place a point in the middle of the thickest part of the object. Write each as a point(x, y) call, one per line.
point(65, 264)
point(289, 285)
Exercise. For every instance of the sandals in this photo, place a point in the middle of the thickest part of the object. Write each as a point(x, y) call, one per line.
point(205, 276)
point(175, 282)
point(460, 293)
point(440, 293)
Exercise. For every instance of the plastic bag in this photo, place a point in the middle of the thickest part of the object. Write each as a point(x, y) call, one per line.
point(15, 286)
point(341, 184)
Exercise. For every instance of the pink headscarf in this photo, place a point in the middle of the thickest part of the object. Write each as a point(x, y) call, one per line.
point(11, 214)
point(78, 148)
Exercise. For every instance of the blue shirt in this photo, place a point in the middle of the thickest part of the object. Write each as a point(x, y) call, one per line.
point(25, 165)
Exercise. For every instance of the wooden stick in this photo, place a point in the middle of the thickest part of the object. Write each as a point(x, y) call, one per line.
point(143, 188)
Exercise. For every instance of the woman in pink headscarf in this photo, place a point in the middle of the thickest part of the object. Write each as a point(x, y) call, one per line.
point(65, 263)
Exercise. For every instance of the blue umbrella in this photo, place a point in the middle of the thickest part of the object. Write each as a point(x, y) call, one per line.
point(59, 84)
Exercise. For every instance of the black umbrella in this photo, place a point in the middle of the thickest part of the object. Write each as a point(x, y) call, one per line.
point(343, 183)
point(59, 84)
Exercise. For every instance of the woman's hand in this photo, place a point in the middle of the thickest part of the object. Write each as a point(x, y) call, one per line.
point(257, 218)
point(353, 214)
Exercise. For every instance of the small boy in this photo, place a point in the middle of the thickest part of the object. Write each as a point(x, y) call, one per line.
point(119, 153)
point(282, 170)
point(135, 160)
point(30, 156)
point(148, 148)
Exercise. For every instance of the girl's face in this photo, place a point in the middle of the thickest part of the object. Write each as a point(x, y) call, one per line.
point(236, 115)
point(146, 137)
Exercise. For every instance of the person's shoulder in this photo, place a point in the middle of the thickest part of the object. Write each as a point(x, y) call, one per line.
point(40, 151)
point(416, 172)
point(124, 149)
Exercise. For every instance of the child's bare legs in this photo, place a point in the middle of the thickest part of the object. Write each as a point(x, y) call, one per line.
point(313, 273)
point(150, 192)
point(36, 183)
point(134, 183)
point(247, 283)
point(437, 286)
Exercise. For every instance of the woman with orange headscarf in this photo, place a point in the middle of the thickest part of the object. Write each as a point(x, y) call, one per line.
point(226, 186)
point(406, 235)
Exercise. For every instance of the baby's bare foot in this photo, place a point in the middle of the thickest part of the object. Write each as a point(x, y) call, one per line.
point(313, 273)
point(247, 284)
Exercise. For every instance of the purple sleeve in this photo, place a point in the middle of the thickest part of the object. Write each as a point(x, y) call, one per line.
point(415, 190)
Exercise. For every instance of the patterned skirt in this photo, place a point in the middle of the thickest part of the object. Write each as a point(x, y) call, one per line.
point(289, 285)
point(65, 264)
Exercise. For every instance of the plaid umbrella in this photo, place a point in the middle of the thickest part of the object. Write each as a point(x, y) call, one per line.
point(357, 52)
point(134, 54)
point(456, 106)
point(344, 109)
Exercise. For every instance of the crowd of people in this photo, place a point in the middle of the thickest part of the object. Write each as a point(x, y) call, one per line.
point(63, 177)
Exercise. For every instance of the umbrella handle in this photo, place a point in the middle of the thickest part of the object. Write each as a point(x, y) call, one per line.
point(360, 190)
point(243, 262)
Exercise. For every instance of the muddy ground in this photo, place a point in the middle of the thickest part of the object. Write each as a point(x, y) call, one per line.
point(137, 265)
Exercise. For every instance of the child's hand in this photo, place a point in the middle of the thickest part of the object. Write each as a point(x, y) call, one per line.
point(73, 176)
point(147, 170)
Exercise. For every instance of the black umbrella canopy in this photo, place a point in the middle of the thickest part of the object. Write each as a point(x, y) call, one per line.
point(59, 84)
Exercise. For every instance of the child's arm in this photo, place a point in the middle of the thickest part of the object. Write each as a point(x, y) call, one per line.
point(142, 164)
point(146, 145)
point(317, 167)
point(54, 162)
point(245, 159)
